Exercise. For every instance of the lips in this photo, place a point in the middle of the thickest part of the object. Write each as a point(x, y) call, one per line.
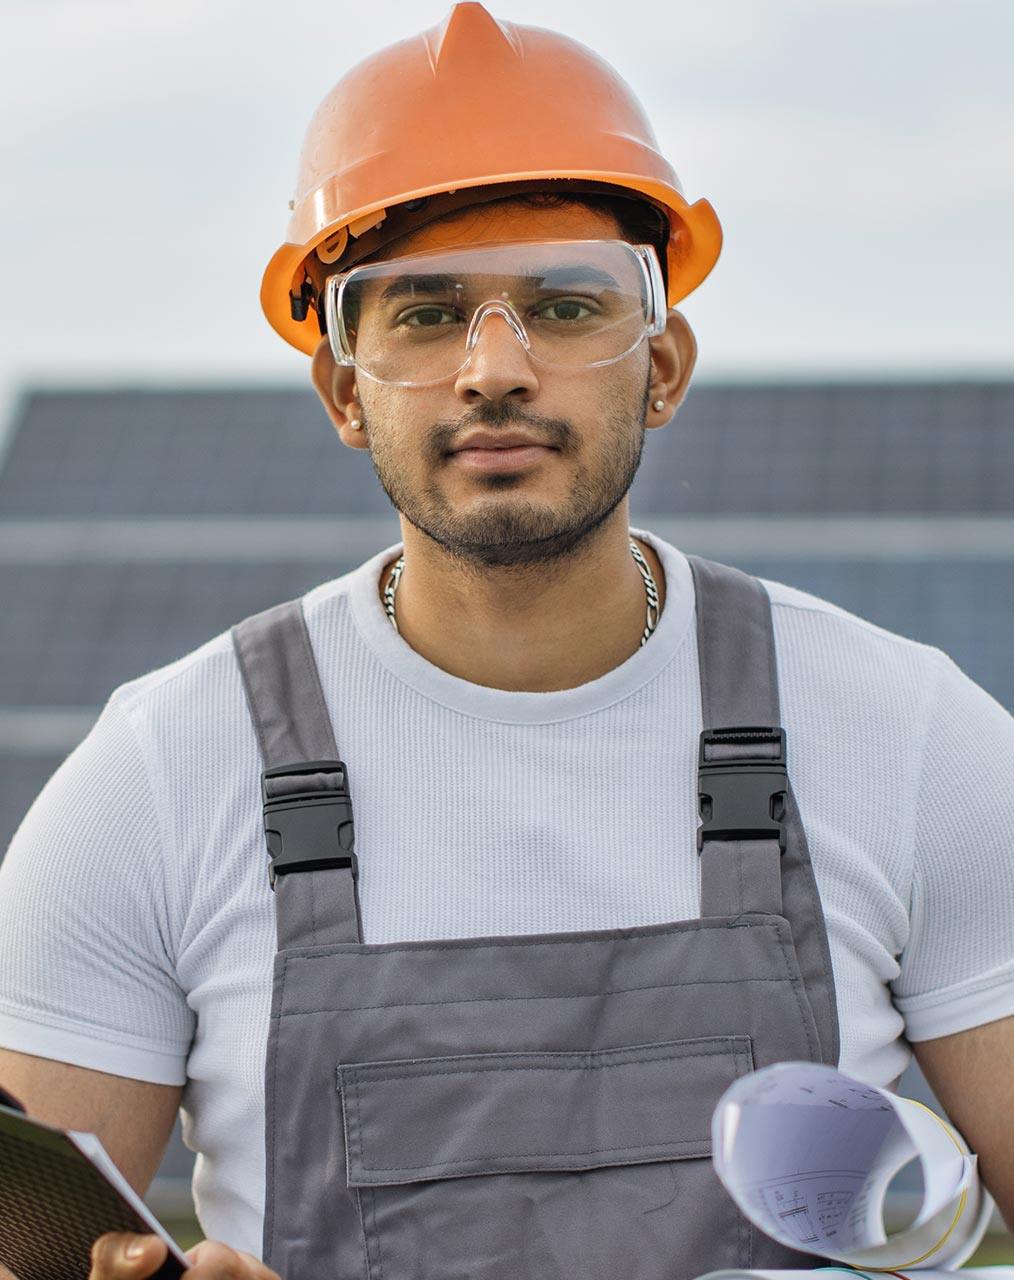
point(497, 440)
point(500, 451)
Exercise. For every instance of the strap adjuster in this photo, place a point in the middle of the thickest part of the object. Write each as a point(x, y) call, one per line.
point(308, 824)
point(742, 785)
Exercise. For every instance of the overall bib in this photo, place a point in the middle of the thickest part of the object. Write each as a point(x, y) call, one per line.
point(532, 1107)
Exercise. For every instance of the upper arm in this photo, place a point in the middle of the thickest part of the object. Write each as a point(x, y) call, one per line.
point(971, 1073)
point(89, 922)
point(957, 967)
point(133, 1118)
point(956, 984)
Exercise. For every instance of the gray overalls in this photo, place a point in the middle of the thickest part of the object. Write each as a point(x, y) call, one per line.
point(533, 1107)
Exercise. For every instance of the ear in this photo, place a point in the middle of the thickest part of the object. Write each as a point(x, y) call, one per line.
point(336, 386)
point(673, 356)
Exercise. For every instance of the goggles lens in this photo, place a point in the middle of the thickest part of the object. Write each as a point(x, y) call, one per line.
point(573, 304)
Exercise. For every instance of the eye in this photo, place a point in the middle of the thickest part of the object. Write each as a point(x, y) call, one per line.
point(564, 309)
point(430, 316)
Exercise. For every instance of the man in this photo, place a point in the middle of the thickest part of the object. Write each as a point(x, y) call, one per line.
point(492, 1052)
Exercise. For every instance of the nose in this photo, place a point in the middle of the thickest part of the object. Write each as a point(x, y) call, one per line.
point(498, 365)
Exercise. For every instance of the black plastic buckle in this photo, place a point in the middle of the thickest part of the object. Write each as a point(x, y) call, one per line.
point(742, 798)
point(309, 830)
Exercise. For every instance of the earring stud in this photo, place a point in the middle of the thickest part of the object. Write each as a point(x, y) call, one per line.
point(355, 424)
point(658, 406)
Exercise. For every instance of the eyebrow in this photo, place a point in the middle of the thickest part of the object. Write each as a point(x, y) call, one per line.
point(557, 277)
point(577, 274)
point(408, 285)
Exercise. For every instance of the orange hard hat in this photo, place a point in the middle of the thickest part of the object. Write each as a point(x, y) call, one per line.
point(472, 103)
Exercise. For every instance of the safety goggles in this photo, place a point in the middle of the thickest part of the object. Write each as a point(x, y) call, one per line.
point(572, 304)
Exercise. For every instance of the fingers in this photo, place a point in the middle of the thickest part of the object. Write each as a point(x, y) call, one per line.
point(213, 1260)
point(119, 1256)
point(130, 1257)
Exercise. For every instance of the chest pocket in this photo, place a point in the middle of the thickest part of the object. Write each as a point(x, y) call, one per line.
point(542, 1164)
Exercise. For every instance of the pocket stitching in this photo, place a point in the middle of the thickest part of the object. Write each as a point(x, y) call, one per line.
point(700, 1146)
point(355, 1073)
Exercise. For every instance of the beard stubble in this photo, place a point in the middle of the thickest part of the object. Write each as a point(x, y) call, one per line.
point(518, 532)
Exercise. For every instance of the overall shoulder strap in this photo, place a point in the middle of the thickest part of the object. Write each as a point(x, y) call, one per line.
point(754, 855)
point(735, 647)
point(308, 822)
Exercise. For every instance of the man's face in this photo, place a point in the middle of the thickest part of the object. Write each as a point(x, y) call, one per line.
point(511, 462)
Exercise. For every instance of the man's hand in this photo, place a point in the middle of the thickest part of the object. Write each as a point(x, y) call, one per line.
point(128, 1257)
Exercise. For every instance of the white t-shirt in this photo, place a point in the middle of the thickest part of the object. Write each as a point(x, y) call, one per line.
point(136, 922)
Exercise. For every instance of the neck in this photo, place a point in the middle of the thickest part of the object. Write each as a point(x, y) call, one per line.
point(534, 628)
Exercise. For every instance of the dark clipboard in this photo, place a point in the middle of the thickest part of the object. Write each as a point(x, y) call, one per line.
point(60, 1191)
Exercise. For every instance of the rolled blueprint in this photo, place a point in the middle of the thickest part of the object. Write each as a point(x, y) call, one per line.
point(808, 1154)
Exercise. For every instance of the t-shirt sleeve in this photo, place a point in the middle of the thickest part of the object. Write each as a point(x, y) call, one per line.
point(87, 971)
point(957, 970)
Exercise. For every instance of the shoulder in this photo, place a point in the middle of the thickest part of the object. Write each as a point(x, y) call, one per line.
point(822, 641)
point(789, 606)
point(913, 704)
point(817, 640)
point(203, 685)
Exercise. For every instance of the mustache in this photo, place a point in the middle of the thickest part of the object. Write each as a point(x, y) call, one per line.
point(557, 433)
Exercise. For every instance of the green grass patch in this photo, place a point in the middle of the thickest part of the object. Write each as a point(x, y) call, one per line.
point(996, 1250)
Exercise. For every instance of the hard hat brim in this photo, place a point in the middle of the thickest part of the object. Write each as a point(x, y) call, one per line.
point(694, 245)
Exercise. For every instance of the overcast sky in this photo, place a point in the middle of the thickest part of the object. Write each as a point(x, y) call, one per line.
point(858, 152)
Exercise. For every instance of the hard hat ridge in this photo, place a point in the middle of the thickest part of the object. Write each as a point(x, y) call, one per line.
point(479, 106)
point(470, 31)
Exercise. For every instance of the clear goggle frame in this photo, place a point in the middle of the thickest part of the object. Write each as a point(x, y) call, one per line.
point(572, 304)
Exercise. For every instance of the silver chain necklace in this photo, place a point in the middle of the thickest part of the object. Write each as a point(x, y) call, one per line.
point(650, 591)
